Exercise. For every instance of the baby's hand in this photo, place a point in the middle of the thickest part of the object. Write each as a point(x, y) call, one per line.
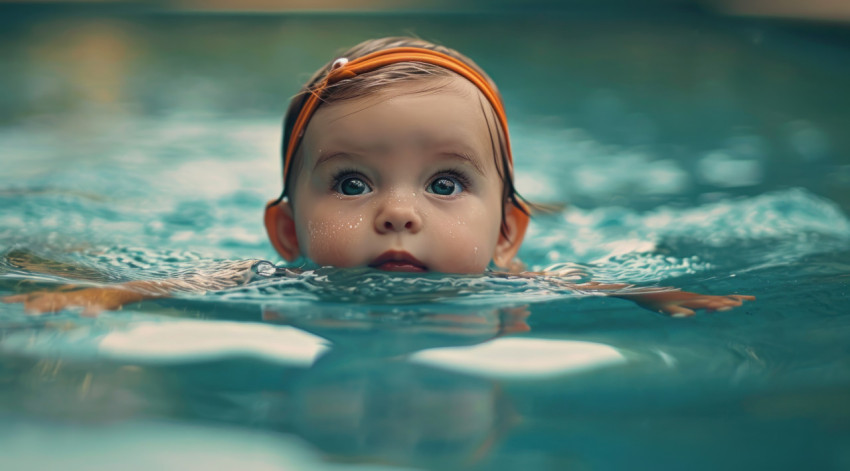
point(92, 300)
point(683, 303)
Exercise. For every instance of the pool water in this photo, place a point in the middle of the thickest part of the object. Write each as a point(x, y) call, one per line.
point(699, 152)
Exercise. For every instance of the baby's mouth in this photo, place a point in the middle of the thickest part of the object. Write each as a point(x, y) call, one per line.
point(394, 260)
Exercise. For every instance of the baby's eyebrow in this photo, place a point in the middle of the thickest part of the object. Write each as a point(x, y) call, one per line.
point(463, 156)
point(324, 158)
point(466, 158)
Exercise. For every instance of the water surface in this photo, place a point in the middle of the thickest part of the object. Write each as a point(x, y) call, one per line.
point(703, 153)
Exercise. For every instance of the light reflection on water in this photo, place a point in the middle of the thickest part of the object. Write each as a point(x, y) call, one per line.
point(141, 147)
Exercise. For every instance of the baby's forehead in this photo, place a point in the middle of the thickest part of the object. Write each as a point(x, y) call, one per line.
point(449, 112)
point(451, 96)
point(426, 118)
point(451, 84)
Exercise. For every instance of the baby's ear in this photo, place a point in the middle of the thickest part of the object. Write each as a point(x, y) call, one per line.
point(280, 226)
point(510, 239)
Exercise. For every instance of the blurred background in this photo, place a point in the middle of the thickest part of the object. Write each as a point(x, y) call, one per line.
point(714, 97)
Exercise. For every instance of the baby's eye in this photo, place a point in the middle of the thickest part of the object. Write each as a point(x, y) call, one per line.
point(445, 186)
point(352, 186)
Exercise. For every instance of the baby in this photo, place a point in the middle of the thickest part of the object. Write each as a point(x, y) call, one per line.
point(396, 156)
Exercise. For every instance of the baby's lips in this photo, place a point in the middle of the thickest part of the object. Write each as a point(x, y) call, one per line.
point(397, 260)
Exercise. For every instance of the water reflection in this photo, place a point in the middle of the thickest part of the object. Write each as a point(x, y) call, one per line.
point(414, 386)
point(355, 388)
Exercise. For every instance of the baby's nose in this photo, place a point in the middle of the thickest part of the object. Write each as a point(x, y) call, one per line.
point(398, 214)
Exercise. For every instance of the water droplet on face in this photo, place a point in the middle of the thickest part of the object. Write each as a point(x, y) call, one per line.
point(355, 224)
point(317, 229)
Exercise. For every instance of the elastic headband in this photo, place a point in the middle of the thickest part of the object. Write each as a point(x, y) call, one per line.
point(380, 59)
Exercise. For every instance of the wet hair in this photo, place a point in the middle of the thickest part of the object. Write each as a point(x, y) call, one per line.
point(372, 82)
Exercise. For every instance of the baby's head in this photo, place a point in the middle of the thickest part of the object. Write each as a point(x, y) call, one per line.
point(396, 156)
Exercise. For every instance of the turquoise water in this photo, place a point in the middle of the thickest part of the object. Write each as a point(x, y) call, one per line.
point(704, 153)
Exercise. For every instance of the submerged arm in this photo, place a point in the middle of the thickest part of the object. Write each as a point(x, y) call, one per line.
point(684, 303)
point(98, 298)
point(670, 301)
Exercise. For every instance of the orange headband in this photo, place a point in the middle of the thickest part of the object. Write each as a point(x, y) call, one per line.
point(383, 58)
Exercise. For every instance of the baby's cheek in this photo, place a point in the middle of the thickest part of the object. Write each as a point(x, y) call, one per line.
point(466, 260)
point(478, 253)
point(333, 241)
point(468, 245)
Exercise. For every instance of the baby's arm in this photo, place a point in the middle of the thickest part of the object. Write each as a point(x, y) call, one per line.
point(98, 298)
point(683, 303)
point(670, 301)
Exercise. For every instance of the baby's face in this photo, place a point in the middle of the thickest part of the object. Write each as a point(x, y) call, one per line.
point(401, 180)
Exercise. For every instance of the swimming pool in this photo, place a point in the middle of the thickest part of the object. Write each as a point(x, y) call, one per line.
point(705, 153)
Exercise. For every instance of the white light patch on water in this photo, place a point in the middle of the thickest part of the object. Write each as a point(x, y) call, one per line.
point(238, 235)
point(629, 172)
point(143, 446)
point(725, 171)
point(169, 342)
point(198, 148)
point(537, 186)
point(180, 341)
point(664, 177)
point(810, 142)
point(206, 178)
point(522, 358)
point(558, 164)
